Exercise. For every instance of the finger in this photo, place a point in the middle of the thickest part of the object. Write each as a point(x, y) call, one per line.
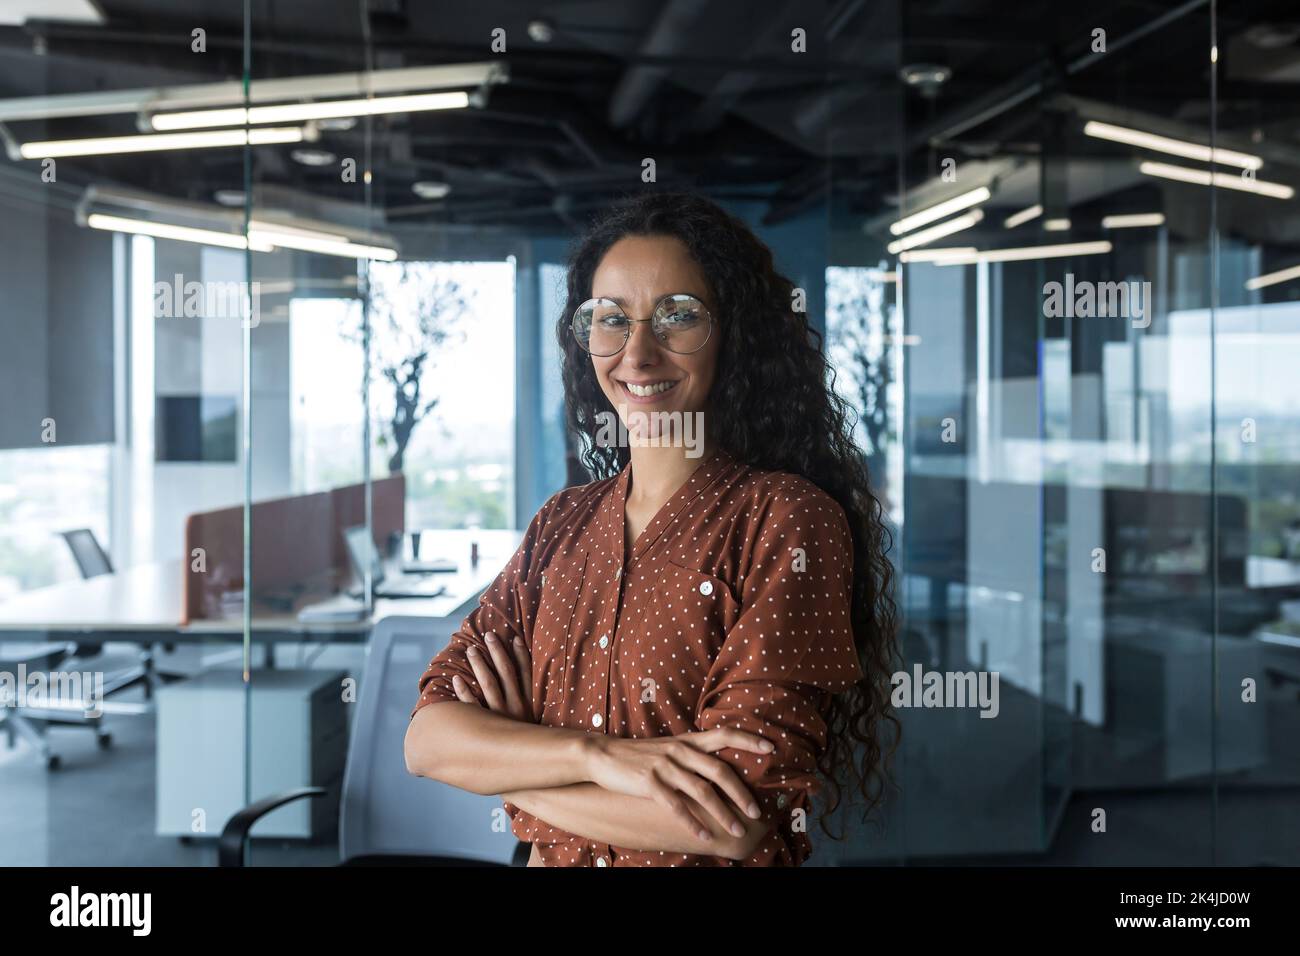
point(721, 738)
point(703, 793)
point(461, 687)
point(505, 668)
point(487, 680)
point(720, 772)
point(672, 800)
point(525, 665)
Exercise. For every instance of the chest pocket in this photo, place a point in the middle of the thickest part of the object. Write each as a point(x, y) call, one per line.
point(560, 587)
point(699, 605)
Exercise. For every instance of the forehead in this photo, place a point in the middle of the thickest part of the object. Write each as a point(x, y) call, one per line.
point(643, 269)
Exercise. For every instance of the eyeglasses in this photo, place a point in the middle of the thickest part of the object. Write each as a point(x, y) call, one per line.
point(680, 323)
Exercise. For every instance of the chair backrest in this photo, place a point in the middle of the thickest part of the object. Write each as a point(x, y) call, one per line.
point(385, 810)
point(90, 557)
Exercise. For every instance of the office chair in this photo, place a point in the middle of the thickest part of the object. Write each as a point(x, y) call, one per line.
point(387, 817)
point(92, 561)
point(30, 721)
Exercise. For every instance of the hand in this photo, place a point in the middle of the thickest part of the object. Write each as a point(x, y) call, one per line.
point(505, 677)
point(664, 769)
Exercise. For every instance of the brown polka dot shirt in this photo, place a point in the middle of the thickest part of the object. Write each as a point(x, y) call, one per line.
point(733, 610)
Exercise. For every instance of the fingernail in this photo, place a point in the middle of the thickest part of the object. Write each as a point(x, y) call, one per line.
point(768, 746)
point(472, 652)
point(753, 811)
point(519, 641)
point(456, 679)
point(492, 638)
point(737, 830)
point(706, 835)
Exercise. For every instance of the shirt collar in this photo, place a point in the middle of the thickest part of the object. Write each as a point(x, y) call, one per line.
point(614, 517)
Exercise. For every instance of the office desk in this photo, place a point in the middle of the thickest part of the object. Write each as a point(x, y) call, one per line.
point(143, 603)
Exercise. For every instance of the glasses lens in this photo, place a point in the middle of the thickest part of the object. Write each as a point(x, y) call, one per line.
point(600, 326)
point(682, 323)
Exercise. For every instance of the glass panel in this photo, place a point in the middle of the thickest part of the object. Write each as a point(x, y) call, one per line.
point(119, 452)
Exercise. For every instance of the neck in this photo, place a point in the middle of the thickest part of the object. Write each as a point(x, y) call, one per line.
point(658, 472)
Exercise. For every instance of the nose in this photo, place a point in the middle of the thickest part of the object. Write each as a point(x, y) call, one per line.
point(642, 347)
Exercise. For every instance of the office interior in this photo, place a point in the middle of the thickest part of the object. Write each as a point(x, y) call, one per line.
point(225, 350)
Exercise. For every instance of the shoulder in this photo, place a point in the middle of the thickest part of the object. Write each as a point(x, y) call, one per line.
point(785, 500)
point(570, 510)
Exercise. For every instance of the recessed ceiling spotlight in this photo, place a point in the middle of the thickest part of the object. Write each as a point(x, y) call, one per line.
point(541, 31)
point(313, 157)
point(427, 189)
point(925, 78)
point(229, 197)
point(337, 124)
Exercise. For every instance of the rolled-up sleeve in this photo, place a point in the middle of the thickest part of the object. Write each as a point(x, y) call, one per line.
point(790, 649)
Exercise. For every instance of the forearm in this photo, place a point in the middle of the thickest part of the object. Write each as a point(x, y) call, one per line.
point(594, 813)
point(481, 751)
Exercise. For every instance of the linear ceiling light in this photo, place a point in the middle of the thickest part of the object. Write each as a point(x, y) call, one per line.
point(935, 232)
point(1174, 147)
point(1203, 177)
point(325, 246)
point(935, 255)
point(1273, 278)
point(148, 143)
point(305, 112)
point(939, 210)
point(266, 239)
point(1134, 220)
point(1056, 225)
point(1032, 252)
point(1022, 217)
point(162, 230)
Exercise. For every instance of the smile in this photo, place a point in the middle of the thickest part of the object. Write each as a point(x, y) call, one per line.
point(646, 391)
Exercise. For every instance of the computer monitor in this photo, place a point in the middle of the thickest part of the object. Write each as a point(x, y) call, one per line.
point(363, 553)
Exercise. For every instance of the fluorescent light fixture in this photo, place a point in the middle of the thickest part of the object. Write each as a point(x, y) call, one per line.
point(162, 230)
point(1134, 220)
point(149, 143)
point(939, 210)
point(1056, 225)
point(935, 255)
point(331, 247)
point(936, 232)
point(306, 112)
point(1032, 252)
point(1022, 217)
point(265, 237)
point(1273, 278)
point(1174, 147)
point(1203, 177)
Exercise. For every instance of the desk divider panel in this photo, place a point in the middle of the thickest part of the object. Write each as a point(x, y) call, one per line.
point(297, 543)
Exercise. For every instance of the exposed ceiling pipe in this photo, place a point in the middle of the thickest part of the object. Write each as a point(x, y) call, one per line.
point(638, 83)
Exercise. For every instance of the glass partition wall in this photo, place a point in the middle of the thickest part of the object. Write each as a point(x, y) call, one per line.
point(1056, 266)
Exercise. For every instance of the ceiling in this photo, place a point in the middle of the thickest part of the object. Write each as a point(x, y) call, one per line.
point(708, 88)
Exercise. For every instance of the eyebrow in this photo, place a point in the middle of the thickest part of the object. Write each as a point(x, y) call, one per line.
point(623, 303)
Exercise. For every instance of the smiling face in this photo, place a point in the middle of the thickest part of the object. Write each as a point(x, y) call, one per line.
point(637, 272)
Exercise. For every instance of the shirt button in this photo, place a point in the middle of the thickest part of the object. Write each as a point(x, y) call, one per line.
point(600, 861)
point(597, 720)
point(706, 588)
point(604, 641)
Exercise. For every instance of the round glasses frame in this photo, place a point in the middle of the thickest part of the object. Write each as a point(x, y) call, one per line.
point(655, 318)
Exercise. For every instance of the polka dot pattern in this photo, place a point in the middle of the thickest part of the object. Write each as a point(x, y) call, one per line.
point(732, 609)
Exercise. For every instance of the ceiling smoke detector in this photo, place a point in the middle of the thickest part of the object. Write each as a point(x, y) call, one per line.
point(312, 157)
point(427, 189)
point(925, 78)
point(541, 31)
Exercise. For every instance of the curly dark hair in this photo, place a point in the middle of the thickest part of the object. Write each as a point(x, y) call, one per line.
point(772, 406)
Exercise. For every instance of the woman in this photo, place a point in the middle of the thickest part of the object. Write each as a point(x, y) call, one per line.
point(707, 628)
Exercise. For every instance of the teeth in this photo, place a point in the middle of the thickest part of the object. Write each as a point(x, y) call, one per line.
point(641, 391)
